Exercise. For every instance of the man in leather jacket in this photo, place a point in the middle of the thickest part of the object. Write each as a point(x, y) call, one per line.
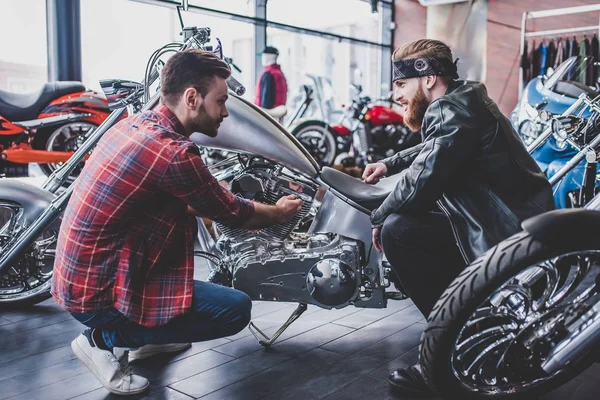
point(465, 188)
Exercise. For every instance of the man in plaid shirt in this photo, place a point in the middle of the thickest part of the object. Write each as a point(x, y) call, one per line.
point(124, 262)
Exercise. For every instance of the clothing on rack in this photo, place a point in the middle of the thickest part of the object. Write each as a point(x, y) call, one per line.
point(592, 77)
point(526, 64)
point(543, 51)
point(551, 55)
point(536, 58)
point(583, 52)
point(560, 53)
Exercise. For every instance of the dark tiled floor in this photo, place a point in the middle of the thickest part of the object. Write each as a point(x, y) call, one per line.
point(339, 354)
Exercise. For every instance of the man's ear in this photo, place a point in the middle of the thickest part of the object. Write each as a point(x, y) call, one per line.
point(192, 98)
point(430, 80)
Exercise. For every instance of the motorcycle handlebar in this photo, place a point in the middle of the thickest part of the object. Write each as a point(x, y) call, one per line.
point(236, 86)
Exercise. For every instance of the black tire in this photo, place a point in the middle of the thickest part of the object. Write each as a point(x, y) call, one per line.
point(40, 142)
point(466, 293)
point(310, 129)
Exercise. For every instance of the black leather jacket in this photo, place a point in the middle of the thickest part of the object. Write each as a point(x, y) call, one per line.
point(473, 164)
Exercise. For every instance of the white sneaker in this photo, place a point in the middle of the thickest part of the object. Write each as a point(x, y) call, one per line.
point(112, 369)
point(150, 350)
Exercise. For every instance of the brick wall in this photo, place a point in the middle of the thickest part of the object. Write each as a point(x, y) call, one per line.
point(504, 25)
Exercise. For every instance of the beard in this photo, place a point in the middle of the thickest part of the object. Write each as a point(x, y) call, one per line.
point(205, 124)
point(417, 107)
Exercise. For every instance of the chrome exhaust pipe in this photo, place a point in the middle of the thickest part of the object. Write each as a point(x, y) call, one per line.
point(584, 334)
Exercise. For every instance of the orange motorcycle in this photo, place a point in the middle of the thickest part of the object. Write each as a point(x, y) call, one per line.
point(47, 126)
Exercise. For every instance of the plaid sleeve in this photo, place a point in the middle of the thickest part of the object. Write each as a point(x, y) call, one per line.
point(188, 178)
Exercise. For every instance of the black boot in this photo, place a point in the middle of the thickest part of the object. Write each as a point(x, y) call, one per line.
point(410, 382)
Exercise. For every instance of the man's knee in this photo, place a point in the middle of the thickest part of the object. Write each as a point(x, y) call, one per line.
point(240, 311)
point(397, 229)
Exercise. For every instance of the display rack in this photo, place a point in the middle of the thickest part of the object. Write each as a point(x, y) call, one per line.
point(528, 15)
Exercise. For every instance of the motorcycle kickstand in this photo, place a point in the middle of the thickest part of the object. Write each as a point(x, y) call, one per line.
point(269, 341)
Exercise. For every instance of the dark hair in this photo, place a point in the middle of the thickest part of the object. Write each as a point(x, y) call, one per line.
point(190, 68)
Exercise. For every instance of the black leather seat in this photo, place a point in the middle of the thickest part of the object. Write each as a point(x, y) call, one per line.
point(23, 107)
point(368, 196)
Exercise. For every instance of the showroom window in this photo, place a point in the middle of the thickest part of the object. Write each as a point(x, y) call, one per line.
point(327, 66)
point(338, 42)
point(24, 59)
point(240, 7)
point(119, 36)
point(237, 41)
point(113, 48)
point(352, 18)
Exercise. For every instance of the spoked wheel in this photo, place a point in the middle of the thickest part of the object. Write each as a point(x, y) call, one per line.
point(494, 328)
point(319, 141)
point(64, 138)
point(28, 281)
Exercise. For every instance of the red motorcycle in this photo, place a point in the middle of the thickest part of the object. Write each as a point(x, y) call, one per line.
point(47, 126)
point(367, 132)
point(370, 131)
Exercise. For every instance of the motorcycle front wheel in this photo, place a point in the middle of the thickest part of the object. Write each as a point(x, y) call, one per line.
point(28, 281)
point(66, 137)
point(318, 138)
point(491, 330)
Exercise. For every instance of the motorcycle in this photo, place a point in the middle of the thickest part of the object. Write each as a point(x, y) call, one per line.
point(366, 132)
point(47, 126)
point(322, 257)
point(555, 95)
point(524, 318)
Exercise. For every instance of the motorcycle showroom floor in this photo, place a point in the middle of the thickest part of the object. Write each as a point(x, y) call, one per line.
point(327, 354)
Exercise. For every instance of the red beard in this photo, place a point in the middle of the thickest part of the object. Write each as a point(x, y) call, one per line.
point(417, 107)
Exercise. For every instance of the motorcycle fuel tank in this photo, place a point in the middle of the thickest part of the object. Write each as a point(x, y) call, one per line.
point(380, 115)
point(250, 130)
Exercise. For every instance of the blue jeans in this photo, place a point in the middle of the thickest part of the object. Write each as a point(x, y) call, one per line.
point(217, 311)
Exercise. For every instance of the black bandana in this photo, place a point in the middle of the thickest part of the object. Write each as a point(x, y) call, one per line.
point(425, 66)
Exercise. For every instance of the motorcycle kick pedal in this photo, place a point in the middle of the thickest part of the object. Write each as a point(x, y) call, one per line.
point(267, 342)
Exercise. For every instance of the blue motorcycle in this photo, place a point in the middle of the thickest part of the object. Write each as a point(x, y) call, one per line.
point(561, 93)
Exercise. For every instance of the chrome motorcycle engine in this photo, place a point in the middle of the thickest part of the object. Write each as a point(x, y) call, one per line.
point(323, 270)
point(283, 262)
point(266, 186)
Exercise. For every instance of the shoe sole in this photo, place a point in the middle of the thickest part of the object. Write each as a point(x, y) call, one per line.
point(80, 354)
point(407, 391)
point(174, 349)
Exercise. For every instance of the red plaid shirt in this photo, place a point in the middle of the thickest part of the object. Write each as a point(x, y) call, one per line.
point(126, 239)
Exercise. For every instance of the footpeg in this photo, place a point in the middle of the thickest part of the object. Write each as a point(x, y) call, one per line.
point(267, 342)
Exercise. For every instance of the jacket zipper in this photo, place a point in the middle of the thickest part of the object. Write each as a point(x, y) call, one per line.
point(456, 238)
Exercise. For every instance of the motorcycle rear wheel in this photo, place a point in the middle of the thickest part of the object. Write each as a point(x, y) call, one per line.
point(318, 138)
point(467, 335)
point(66, 137)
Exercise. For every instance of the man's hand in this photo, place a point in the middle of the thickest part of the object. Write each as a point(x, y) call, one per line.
point(377, 239)
point(374, 172)
point(288, 207)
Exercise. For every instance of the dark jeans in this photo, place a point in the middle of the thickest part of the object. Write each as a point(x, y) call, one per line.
point(423, 254)
point(217, 311)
